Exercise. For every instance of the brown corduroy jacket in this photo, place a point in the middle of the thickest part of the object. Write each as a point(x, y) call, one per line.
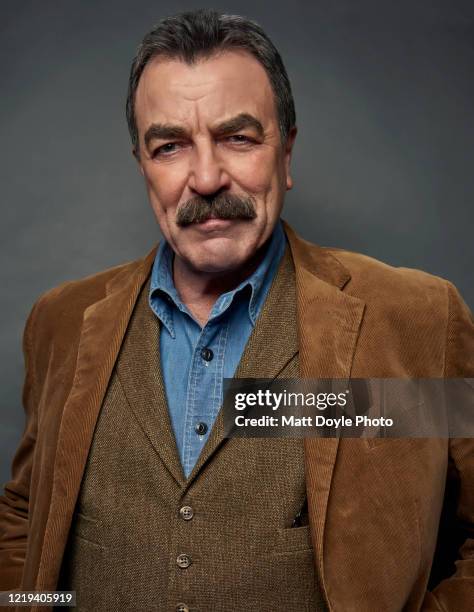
point(374, 504)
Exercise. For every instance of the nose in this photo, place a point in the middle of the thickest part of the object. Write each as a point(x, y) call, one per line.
point(207, 173)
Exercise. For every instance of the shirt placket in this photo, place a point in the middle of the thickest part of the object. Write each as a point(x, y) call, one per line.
point(204, 391)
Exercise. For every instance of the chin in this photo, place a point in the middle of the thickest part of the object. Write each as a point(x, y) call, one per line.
point(217, 256)
point(215, 265)
point(216, 262)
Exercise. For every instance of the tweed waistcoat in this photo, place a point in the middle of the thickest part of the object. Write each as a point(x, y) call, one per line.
point(146, 538)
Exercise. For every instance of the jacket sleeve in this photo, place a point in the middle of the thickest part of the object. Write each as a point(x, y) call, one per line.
point(14, 503)
point(456, 593)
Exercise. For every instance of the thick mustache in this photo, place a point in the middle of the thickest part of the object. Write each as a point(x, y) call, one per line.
point(221, 206)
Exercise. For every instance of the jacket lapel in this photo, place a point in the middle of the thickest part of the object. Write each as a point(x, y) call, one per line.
point(328, 327)
point(103, 329)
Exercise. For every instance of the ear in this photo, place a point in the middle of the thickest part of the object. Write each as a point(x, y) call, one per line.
point(136, 155)
point(288, 151)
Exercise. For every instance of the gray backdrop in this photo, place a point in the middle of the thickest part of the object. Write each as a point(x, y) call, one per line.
point(383, 161)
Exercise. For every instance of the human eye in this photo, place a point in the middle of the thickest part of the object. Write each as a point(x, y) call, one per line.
point(240, 142)
point(165, 150)
point(239, 139)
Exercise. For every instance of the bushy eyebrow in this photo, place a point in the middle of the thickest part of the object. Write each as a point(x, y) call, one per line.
point(165, 131)
point(237, 123)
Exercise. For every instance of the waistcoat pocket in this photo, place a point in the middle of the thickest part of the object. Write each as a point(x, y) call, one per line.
point(293, 539)
point(88, 529)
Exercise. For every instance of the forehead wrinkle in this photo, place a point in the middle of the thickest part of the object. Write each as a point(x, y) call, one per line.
point(188, 84)
point(193, 91)
point(193, 117)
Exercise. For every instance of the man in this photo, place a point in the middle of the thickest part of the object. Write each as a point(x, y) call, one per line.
point(124, 488)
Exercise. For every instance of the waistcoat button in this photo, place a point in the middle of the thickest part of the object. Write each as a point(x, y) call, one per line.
point(186, 513)
point(183, 561)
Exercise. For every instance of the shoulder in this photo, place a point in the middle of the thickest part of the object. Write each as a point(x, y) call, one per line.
point(62, 307)
point(82, 292)
point(374, 280)
point(416, 308)
point(407, 312)
point(367, 278)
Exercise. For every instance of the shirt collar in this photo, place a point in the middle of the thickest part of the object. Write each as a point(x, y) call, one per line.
point(163, 297)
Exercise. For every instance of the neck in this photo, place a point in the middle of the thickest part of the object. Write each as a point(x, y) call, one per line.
point(200, 290)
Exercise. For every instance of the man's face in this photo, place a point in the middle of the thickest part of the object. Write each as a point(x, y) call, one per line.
point(210, 130)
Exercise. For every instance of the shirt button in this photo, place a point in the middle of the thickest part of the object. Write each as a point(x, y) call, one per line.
point(207, 354)
point(182, 607)
point(183, 561)
point(201, 428)
point(186, 513)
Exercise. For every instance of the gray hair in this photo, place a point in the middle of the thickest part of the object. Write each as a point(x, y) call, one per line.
point(199, 34)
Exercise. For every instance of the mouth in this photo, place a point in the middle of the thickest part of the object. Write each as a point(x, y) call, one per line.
point(214, 223)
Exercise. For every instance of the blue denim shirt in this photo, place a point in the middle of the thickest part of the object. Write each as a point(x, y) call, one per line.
point(195, 360)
